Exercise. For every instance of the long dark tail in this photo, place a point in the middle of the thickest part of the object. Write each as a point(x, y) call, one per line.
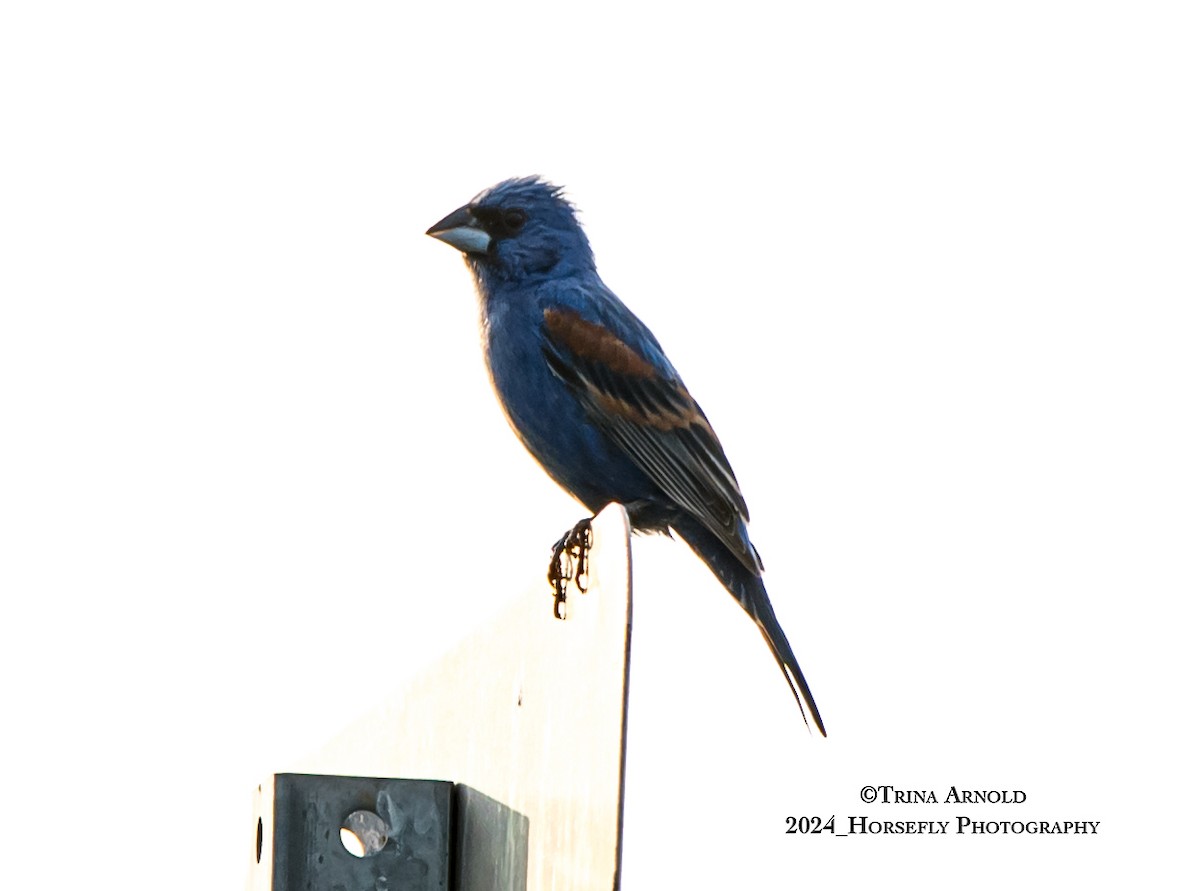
point(747, 587)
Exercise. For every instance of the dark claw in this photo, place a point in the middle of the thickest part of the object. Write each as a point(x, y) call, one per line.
point(569, 560)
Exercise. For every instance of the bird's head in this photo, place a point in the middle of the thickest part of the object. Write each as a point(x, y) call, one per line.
point(516, 230)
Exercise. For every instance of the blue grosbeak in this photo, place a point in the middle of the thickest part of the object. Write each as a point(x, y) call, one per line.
point(591, 394)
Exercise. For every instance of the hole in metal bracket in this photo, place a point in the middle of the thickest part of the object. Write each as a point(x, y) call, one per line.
point(364, 833)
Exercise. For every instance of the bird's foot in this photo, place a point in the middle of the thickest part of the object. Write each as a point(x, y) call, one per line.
point(569, 560)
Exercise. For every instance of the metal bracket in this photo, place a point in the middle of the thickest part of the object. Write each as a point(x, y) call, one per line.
point(335, 833)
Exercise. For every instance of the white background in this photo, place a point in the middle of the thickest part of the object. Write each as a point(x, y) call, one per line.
point(931, 269)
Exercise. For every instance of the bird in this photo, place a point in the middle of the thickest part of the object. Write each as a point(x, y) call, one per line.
point(591, 394)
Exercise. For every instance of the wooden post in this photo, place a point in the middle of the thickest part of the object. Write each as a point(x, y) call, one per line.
point(530, 712)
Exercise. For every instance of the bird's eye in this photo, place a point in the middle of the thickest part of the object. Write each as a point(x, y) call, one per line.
point(514, 219)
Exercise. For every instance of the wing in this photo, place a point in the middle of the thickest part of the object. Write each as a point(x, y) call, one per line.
point(652, 417)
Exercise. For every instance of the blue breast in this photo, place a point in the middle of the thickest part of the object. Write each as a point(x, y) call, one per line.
point(547, 417)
